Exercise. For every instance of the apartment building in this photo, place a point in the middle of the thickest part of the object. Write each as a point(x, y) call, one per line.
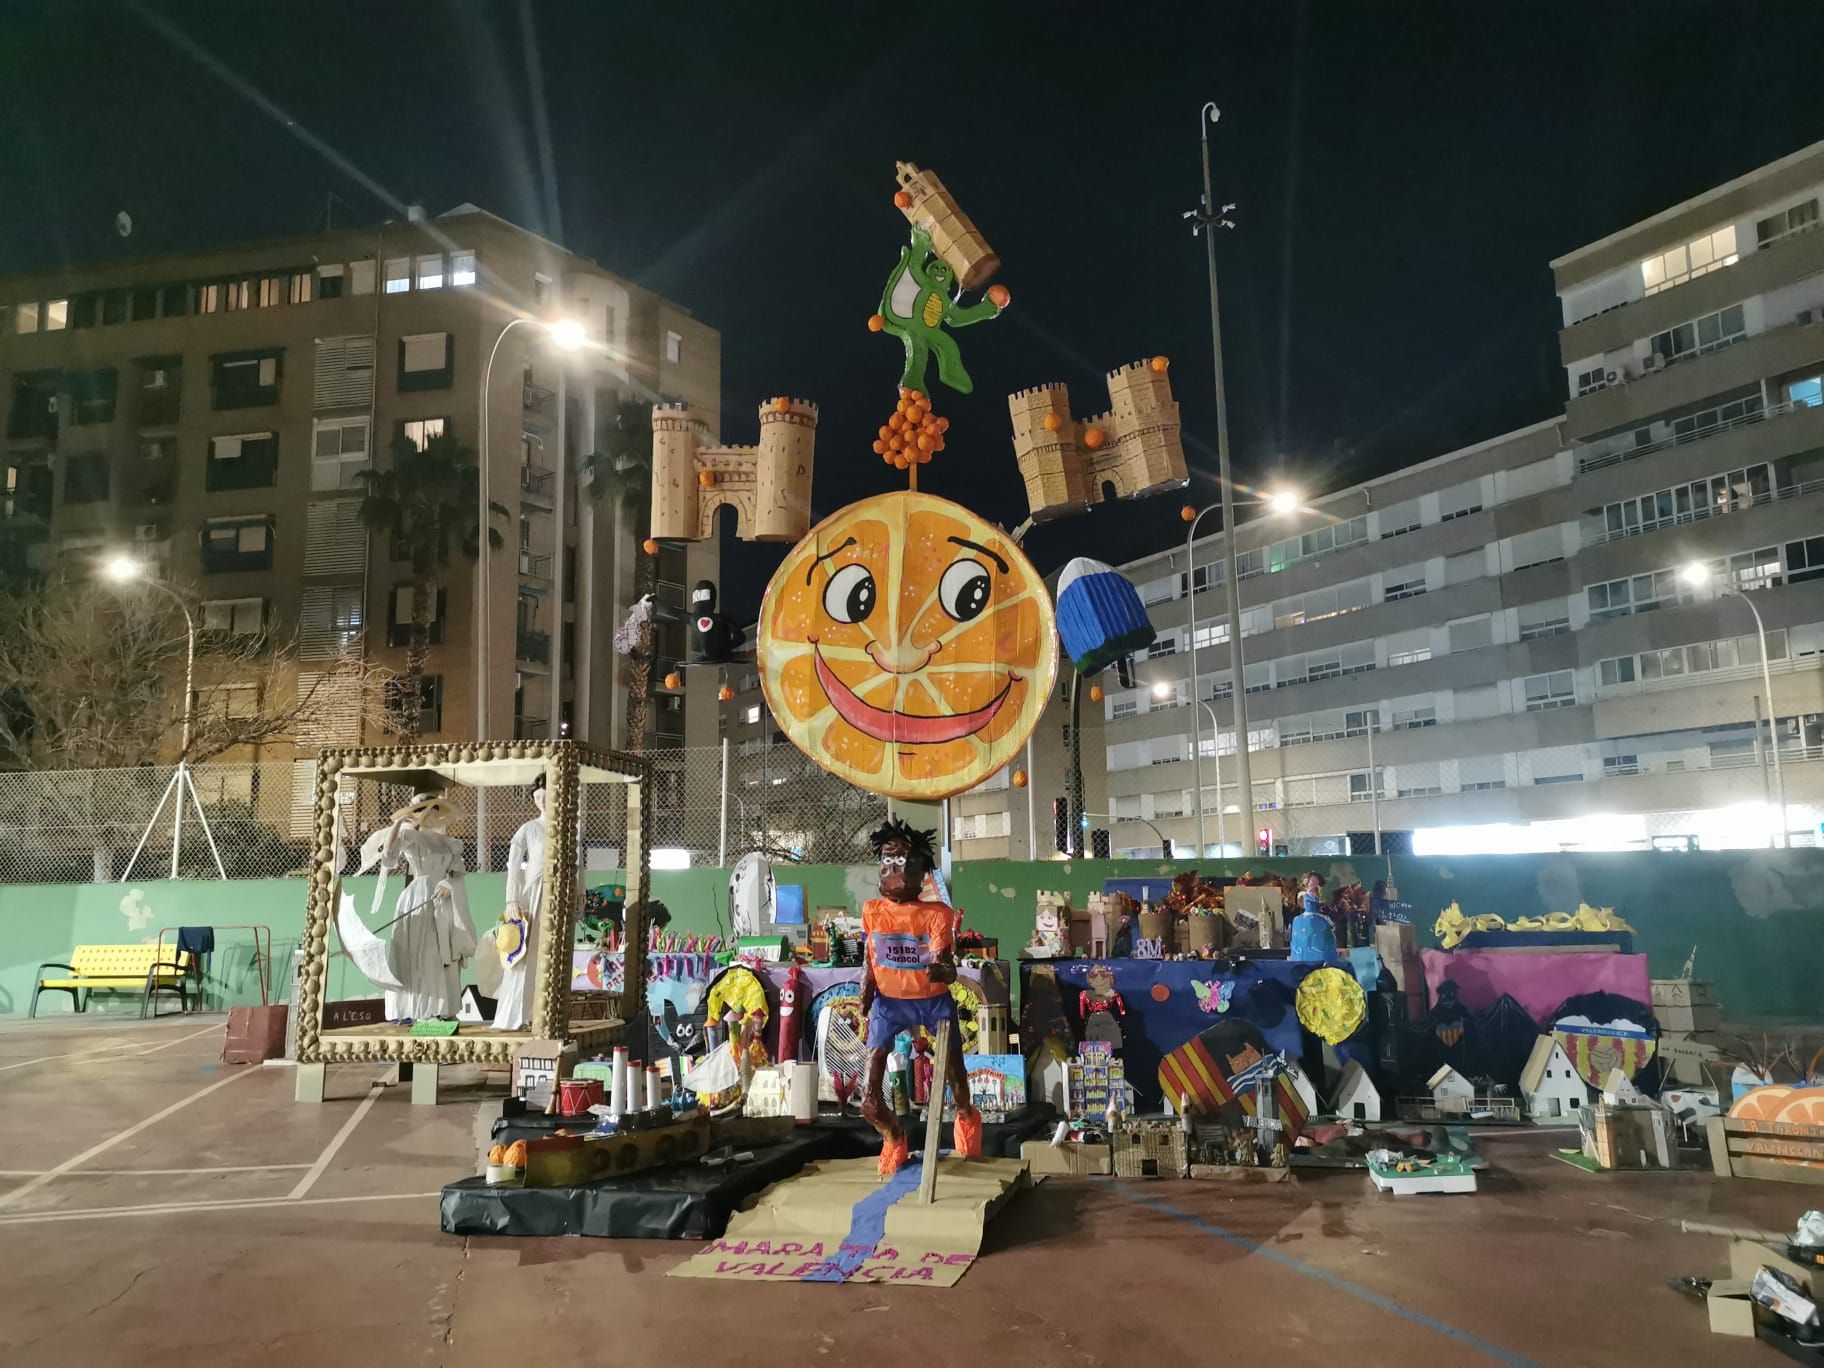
point(212, 414)
point(1496, 648)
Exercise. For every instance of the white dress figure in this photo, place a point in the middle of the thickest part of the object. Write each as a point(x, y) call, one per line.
point(421, 965)
point(526, 896)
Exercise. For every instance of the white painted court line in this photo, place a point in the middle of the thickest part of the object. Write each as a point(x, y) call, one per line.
point(329, 1151)
point(153, 1173)
point(114, 1049)
point(175, 1208)
point(34, 1184)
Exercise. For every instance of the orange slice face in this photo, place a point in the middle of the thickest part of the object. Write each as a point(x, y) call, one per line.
point(907, 646)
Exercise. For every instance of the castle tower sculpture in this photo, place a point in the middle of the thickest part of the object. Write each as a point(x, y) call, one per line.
point(768, 486)
point(1135, 449)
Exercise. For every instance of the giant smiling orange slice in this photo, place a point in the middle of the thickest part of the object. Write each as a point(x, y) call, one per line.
point(907, 646)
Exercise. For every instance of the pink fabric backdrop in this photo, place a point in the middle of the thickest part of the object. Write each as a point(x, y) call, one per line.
point(1537, 981)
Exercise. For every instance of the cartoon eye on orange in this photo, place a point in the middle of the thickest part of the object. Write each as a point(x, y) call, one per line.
point(907, 646)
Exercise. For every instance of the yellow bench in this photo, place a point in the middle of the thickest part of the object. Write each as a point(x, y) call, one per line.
point(116, 969)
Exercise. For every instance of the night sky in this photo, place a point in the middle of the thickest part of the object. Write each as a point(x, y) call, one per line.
point(1404, 174)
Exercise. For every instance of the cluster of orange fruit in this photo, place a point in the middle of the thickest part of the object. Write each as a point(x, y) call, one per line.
point(913, 433)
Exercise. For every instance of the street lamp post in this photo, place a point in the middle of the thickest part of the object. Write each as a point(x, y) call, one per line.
point(1281, 501)
point(1697, 574)
point(125, 570)
point(568, 335)
point(1162, 690)
point(1208, 217)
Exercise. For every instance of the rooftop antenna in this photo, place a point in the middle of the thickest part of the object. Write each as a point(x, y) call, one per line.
point(327, 219)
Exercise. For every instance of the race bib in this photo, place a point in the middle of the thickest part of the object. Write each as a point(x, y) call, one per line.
point(900, 950)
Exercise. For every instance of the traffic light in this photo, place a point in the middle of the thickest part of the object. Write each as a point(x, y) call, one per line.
point(1263, 840)
point(1168, 846)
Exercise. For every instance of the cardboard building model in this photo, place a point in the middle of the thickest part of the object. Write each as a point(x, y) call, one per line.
point(538, 1064)
point(1550, 1083)
point(1135, 448)
point(1356, 1098)
point(1450, 1091)
point(768, 486)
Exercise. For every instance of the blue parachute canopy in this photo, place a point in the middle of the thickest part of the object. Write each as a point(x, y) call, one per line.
point(1100, 616)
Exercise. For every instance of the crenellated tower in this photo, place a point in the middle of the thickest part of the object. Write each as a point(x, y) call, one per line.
point(768, 485)
point(1134, 449)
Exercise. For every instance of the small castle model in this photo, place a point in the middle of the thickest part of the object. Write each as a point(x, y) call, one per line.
point(931, 207)
point(1051, 927)
point(768, 486)
point(1135, 447)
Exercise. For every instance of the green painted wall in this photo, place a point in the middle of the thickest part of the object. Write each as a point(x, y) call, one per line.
point(1756, 917)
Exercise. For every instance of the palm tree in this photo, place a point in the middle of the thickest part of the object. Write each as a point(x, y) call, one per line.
point(425, 502)
point(619, 471)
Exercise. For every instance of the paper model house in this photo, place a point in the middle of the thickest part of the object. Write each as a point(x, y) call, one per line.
point(1618, 1090)
point(537, 1066)
point(768, 1093)
point(1356, 1097)
point(1451, 1092)
point(1307, 1091)
point(1550, 1082)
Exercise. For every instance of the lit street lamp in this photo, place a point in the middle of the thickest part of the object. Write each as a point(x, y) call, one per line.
point(566, 335)
point(1697, 575)
point(124, 570)
point(1279, 502)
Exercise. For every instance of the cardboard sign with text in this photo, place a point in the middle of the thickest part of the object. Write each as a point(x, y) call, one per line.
point(837, 1222)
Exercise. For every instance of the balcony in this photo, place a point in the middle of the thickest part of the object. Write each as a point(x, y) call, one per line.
point(158, 408)
point(533, 647)
point(535, 483)
point(1704, 512)
point(534, 566)
point(540, 408)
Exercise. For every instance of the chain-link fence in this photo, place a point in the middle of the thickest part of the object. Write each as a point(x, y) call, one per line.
point(82, 826)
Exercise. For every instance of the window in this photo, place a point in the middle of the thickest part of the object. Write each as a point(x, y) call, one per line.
point(1750, 569)
point(1128, 705)
point(330, 280)
point(230, 544)
point(399, 610)
point(335, 541)
point(273, 290)
point(209, 298)
point(90, 395)
point(1538, 621)
point(425, 361)
point(343, 372)
point(1589, 381)
point(1618, 670)
point(1700, 256)
point(157, 448)
point(298, 287)
point(462, 268)
point(1797, 219)
point(237, 294)
point(1471, 634)
point(246, 379)
point(541, 288)
point(1621, 764)
point(1409, 648)
point(85, 310)
point(235, 617)
point(430, 272)
point(361, 277)
point(1806, 393)
point(1541, 546)
point(1400, 519)
point(419, 431)
point(1422, 780)
point(25, 318)
point(329, 622)
point(1212, 634)
point(56, 315)
point(1414, 717)
point(160, 390)
point(1637, 594)
point(750, 714)
point(1407, 582)
point(674, 346)
point(248, 460)
point(1725, 492)
point(1543, 692)
point(1804, 560)
point(1702, 335)
point(398, 275)
point(85, 478)
point(1364, 786)
point(230, 700)
point(34, 408)
point(1460, 501)
point(338, 452)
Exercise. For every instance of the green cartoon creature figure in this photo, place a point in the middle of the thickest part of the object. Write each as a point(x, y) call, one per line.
point(919, 302)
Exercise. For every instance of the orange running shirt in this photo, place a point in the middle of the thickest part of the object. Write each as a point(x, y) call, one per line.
point(904, 940)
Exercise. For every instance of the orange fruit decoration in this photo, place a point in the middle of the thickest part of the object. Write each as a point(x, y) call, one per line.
point(1159, 363)
point(674, 680)
point(1188, 513)
point(1095, 693)
point(1053, 422)
point(650, 546)
point(1094, 437)
point(782, 405)
point(1019, 778)
point(901, 200)
point(725, 694)
point(516, 1154)
point(907, 646)
point(876, 322)
point(706, 478)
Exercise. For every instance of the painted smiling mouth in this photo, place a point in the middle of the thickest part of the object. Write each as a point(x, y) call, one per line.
point(885, 725)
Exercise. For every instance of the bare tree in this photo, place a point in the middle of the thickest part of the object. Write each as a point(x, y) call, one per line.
point(92, 678)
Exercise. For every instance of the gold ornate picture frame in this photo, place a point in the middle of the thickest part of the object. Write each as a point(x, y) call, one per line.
point(567, 767)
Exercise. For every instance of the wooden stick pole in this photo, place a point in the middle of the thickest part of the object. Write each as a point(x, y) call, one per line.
point(934, 1114)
